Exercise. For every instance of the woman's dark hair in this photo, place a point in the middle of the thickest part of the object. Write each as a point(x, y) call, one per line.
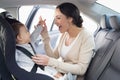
point(70, 10)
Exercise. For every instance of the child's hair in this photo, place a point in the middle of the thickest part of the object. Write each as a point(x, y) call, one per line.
point(16, 27)
point(15, 24)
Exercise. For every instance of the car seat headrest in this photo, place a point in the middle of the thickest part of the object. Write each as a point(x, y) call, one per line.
point(115, 22)
point(104, 22)
point(6, 14)
point(8, 39)
point(8, 17)
point(11, 21)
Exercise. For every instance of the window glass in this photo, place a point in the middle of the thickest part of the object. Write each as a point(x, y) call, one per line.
point(2, 10)
point(24, 12)
point(46, 13)
point(112, 4)
point(88, 23)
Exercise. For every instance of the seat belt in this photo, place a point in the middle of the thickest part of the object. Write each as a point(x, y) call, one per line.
point(26, 52)
point(105, 61)
point(34, 69)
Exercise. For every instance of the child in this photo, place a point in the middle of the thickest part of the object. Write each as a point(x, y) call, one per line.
point(23, 39)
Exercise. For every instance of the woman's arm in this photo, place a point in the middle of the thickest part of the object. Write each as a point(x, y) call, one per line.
point(81, 64)
point(46, 39)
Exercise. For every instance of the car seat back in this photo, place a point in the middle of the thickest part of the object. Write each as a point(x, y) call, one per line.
point(8, 54)
point(4, 72)
point(112, 69)
point(105, 38)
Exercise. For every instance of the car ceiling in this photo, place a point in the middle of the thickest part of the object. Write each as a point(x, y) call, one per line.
point(88, 7)
point(15, 3)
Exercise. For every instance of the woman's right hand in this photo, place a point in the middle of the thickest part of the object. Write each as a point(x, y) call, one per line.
point(43, 24)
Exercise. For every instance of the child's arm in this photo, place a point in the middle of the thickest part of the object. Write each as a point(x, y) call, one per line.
point(36, 33)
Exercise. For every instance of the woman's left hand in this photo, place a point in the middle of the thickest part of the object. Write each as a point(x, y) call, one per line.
point(40, 59)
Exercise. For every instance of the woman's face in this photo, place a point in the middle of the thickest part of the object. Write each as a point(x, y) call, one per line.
point(62, 21)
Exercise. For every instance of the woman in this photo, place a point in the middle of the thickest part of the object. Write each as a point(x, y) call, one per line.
point(75, 46)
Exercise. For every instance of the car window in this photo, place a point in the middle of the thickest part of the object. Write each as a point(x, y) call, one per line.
point(24, 12)
point(112, 4)
point(47, 12)
point(2, 10)
point(89, 24)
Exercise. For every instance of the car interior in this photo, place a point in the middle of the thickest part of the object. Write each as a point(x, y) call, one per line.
point(105, 63)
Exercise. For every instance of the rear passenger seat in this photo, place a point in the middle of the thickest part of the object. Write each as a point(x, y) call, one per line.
point(105, 65)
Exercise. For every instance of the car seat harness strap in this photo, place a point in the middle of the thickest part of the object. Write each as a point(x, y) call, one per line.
point(26, 52)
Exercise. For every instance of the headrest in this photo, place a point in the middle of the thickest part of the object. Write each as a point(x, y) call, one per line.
point(6, 14)
point(115, 22)
point(11, 21)
point(104, 22)
point(8, 17)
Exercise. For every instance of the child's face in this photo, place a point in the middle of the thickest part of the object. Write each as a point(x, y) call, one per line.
point(24, 35)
